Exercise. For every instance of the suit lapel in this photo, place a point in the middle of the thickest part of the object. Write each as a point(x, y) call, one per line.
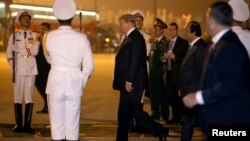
point(124, 43)
point(189, 53)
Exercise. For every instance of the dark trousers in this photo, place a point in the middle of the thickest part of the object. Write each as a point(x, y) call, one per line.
point(129, 106)
point(189, 120)
point(158, 99)
point(174, 99)
point(41, 82)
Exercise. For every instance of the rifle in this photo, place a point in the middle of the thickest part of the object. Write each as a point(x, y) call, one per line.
point(80, 17)
point(13, 53)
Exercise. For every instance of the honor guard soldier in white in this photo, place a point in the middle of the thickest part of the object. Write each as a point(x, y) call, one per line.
point(69, 53)
point(25, 47)
point(139, 17)
point(240, 15)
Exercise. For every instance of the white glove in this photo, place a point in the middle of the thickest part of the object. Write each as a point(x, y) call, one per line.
point(11, 64)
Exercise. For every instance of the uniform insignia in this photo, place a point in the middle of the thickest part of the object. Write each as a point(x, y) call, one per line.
point(31, 39)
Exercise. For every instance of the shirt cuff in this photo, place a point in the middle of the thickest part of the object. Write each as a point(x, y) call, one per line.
point(199, 98)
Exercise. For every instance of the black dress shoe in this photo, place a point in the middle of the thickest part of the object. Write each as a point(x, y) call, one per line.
point(29, 130)
point(17, 129)
point(173, 121)
point(43, 111)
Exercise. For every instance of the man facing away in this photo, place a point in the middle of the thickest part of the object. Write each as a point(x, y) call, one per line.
point(130, 78)
point(70, 56)
point(43, 68)
point(225, 93)
point(240, 15)
point(25, 45)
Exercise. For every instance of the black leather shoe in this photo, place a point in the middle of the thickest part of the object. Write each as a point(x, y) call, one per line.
point(43, 111)
point(173, 121)
point(28, 130)
point(17, 129)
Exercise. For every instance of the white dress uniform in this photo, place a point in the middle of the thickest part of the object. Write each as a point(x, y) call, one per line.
point(241, 14)
point(67, 51)
point(148, 44)
point(25, 64)
point(244, 36)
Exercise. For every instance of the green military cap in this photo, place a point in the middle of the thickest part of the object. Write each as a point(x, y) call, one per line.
point(159, 22)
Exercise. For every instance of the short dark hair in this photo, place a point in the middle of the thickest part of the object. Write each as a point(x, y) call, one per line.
point(174, 24)
point(47, 25)
point(195, 27)
point(65, 22)
point(128, 18)
point(222, 12)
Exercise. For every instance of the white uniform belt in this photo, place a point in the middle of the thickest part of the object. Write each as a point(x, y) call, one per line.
point(23, 56)
point(59, 68)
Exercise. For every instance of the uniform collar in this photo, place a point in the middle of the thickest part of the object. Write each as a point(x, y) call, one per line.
point(64, 27)
point(159, 39)
point(236, 27)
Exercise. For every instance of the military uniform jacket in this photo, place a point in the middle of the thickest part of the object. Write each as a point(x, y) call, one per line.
point(156, 64)
point(67, 50)
point(25, 49)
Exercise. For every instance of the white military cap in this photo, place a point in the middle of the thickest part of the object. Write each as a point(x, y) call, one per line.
point(136, 12)
point(22, 12)
point(240, 10)
point(64, 9)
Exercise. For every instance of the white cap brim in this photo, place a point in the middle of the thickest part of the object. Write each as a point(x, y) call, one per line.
point(139, 12)
point(20, 12)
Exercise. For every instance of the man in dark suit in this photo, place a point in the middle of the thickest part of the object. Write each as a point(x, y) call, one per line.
point(43, 69)
point(225, 91)
point(130, 78)
point(174, 56)
point(190, 75)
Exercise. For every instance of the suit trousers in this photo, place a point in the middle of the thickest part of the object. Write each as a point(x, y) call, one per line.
point(24, 87)
point(64, 114)
point(129, 106)
point(158, 97)
point(41, 82)
point(174, 100)
point(189, 120)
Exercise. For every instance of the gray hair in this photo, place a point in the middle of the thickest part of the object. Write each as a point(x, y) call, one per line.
point(128, 18)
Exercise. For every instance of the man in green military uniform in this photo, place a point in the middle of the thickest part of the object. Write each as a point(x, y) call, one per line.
point(156, 72)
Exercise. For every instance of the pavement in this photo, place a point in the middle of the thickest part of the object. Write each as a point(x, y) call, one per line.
point(98, 120)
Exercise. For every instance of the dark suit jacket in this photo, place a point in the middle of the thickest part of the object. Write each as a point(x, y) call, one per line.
point(191, 68)
point(43, 66)
point(226, 83)
point(180, 49)
point(130, 63)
